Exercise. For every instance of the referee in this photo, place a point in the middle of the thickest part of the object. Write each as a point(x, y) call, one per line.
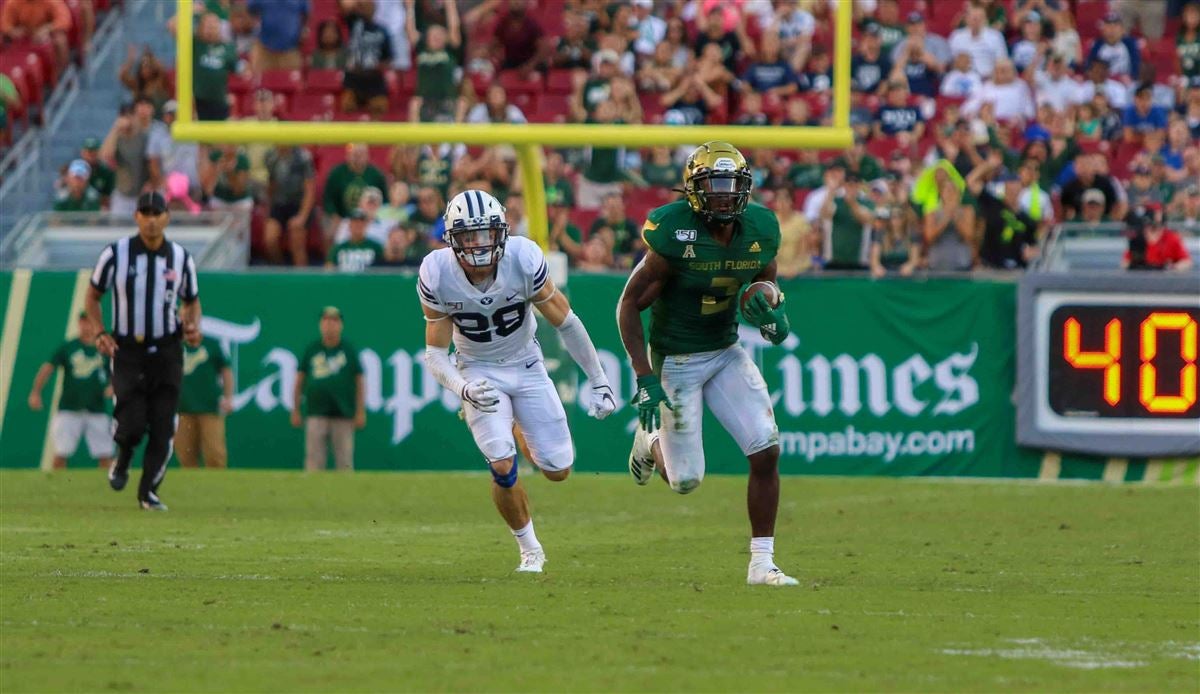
point(147, 274)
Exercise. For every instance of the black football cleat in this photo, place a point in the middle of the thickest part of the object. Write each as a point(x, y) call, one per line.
point(117, 478)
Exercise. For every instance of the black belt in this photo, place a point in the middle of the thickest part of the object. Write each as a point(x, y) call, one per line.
point(130, 341)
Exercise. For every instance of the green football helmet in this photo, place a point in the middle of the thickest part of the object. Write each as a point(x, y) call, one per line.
point(717, 182)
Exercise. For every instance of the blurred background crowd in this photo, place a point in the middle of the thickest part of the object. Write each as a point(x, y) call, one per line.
point(978, 124)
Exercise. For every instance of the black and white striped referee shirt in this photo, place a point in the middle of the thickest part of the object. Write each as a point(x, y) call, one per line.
point(146, 286)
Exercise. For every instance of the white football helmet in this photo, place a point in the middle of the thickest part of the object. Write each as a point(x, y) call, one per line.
point(476, 228)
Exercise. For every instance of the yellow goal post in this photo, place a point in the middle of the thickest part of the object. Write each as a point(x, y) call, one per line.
point(527, 139)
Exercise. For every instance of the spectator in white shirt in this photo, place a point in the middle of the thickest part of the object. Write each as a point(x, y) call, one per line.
point(651, 29)
point(985, 44)
point(961, 81)
point(1055, 86)
point(392, 15)
point(1010, 97)
point(1098, 80)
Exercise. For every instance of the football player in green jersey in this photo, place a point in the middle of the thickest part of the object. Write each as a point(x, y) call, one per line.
point(700, 252)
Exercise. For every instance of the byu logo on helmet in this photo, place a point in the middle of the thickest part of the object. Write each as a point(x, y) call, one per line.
point(476, 228)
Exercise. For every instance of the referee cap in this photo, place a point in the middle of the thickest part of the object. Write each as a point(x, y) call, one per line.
point(151, 203)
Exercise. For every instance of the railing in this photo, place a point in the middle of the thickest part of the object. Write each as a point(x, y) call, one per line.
point(72, 240)
point(1079, 246)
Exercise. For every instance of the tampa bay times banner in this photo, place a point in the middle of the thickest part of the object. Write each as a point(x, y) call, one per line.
point(880, 378)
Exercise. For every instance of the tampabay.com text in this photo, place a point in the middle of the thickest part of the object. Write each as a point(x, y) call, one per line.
point(887, 445)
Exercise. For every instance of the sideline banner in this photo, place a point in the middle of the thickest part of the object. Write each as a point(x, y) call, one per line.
point(880, 378)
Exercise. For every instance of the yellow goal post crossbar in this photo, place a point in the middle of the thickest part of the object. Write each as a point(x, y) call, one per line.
point(527, 139)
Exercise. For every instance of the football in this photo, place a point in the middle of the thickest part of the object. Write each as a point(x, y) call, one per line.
point(770, 289)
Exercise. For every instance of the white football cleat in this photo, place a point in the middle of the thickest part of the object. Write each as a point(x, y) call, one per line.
point(769, 575)
point(641, 458)
point(532, 562)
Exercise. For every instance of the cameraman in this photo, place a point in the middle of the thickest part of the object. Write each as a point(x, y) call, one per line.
point(1151, 245)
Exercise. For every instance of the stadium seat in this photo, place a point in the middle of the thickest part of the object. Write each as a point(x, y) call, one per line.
point(1161, 54)
point(583, 219)
point(323, 81)
point(652, 108)
point(282, 81)
point(552, 108)
point(559, 82)
point(306, 105)
point(514, 83)
point(1088, 14)
point(239, 84)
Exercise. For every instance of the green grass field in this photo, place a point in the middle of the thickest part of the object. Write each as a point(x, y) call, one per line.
point(259, 581)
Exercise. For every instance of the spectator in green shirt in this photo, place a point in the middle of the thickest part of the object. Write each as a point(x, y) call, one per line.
point(559, 189)
point(83, 404)
point(847, 215)
point(857, 162)
point(77, 195)
point(564, 235)
point(358, 252)
point(226, 178)
point(439, 79)
point(602, 176)
point(329, 385)
point(213, 61)
point(9, 98)
point(205, 397)
point(660, 169)
point(103, 179)
point(626, 236)
point(345, 185)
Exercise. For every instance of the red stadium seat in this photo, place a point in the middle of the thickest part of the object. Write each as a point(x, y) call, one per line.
point(307, 106)
point(1088, 14)
point(514, 83)
point(282, 81)
point(652, 108)
point(323, 81)
point(239, 84)
point(559, 82)
point(552, 108)
point(583, 219)
point(1162, 55)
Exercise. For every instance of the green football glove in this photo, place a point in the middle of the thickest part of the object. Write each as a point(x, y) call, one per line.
point(772, 323)
point(649, 396)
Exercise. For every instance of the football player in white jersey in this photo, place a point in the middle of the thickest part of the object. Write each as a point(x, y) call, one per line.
point(478, 292)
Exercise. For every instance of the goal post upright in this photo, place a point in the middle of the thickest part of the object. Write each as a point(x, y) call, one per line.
point(527, 139)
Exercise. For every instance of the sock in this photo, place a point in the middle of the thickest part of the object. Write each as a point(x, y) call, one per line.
point(762, 550)
point(526, 538)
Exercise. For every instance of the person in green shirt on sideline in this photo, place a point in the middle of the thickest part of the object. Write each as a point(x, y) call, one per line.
point(564, 236)
point(329, 384)
point(83, 405)
point(358, 252)
point(205, 397)
point(602, 176)
point(77, 196)
point(213, 61)
point(103, 179)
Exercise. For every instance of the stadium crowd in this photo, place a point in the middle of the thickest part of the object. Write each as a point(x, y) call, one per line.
point(978, 123)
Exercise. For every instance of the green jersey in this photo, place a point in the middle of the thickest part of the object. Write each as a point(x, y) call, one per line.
point(88, 202)
point(103, 179)
point(1188, 51)
point(356, 256)
point(330, 379)
point(697, 310)
point(212, 63)
point(344, 187)
point(202, 366)
point(85, 376)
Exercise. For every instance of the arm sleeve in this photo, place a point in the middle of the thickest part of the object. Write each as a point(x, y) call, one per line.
point(437, 360)
point(579, 345)
point(190, 291)
point(102, 275)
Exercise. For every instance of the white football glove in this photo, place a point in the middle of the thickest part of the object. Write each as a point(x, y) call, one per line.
point(481, 395)
point(601, 402)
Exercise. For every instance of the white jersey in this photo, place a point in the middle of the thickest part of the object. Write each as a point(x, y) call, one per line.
point(494, 324)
